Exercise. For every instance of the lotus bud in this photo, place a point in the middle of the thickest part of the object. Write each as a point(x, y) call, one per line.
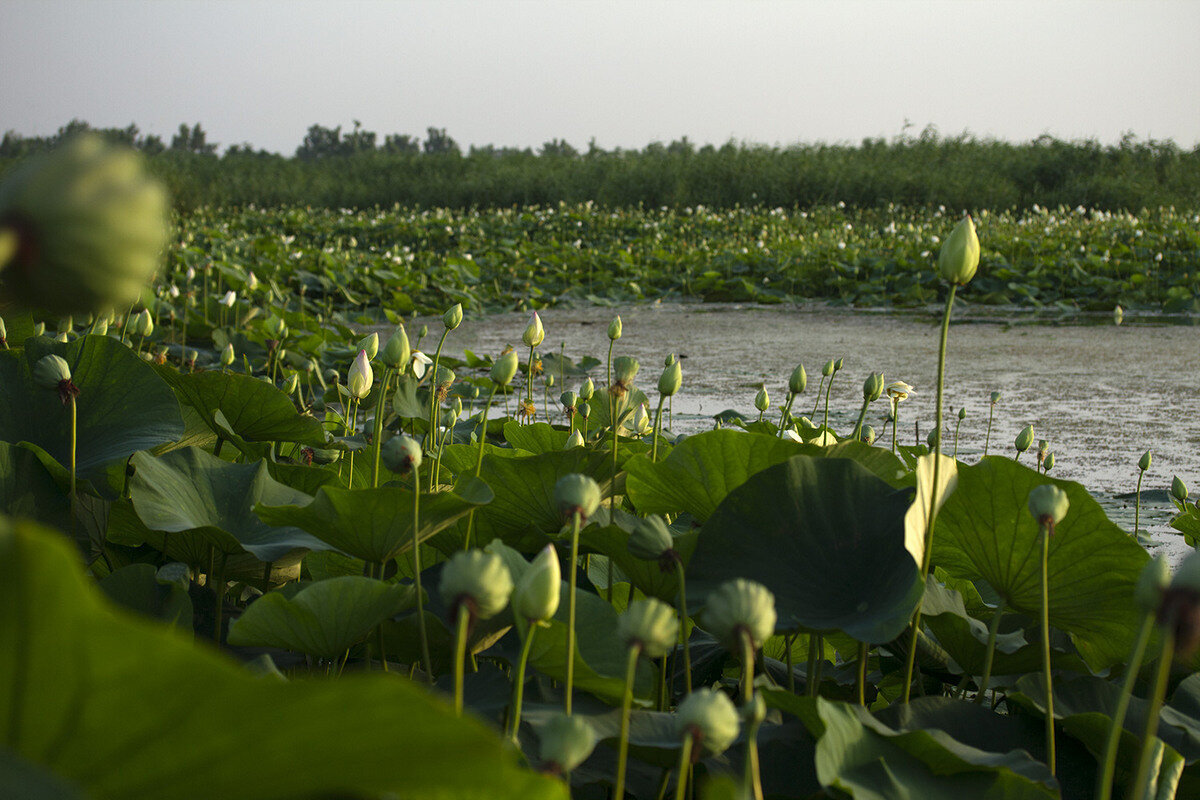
point(143, 323)
point(1144, 461)
point(1154, 578)
point(1048, 504)
point(369, 345)
point(574, 440)
point(504, 368)
point(868, 434)
point(995, 398)
point(873, 387)
point(62, 337)
point(669, 360)
point(740, 605)
point(90, 225)
point(614, 328)
point(453, 317)
point(480, 580)
point(1024, 439)
point(709, 718)
point(1118, 315)
point(962, 414)
point(50, 371)
point(586, 389)
point(761, 400)
point(1179, 489)
point(798, 380)
point(536, 595)
point(549, 381)
point(251, 282)
point(397, 351)
point(401, 454)
point(39, 329)
point(671, 379)
point(66, 325)
point(641, 420)
point(959, 256)
point(829, 368)
point(576, 493)
point(360, 377)
point(932, 438)
point(227, 355)
point(534, 332)
point(837, 365)
point(1180, 606)
point(229, 299)
point(651, 625)
point(1048, 464)
point(291, 384)
point(651, 539)
point(100, 327)
point(569, 400)
point(275, 327)
point(423, 332)
point(566, 742)
point(625, 369)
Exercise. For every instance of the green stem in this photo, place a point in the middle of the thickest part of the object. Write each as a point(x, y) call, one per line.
point(219, 590)
point(752, 772)
point(1140, 788)
point(416, 550)
point(788, 640)
point(747, 666)
point(571, 566)
point(519, 681)
point(828, 389)
point(433, 401)
point(685, 761)
point(993, 629)
point(377, 437)
point(895, 422)
point(817, 401)
point(783, 415)
point(1137, 506)
point(683, 631)
point(987, 439)
point(351, 429)
point(1048, 686)
point(626, 704)
point(529, 379)
point(957, 425)
point(74, 443)
point(460, 654)
point(10, 242)
point(811, 674)
point(1109, 763)
point(657, 428)
point(862, 673)
point(481, 435)
point(862, 416)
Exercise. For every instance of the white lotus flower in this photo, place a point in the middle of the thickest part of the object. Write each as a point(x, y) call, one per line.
point(420, 363)
point(899, 390)
point(361, 376)
point(790, 433)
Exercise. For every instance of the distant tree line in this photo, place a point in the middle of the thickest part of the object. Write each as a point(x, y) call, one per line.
point(335, 168)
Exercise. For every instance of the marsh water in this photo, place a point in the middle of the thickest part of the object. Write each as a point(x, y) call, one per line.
point(1100, 393)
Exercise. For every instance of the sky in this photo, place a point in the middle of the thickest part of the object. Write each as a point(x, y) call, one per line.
point(622, 73)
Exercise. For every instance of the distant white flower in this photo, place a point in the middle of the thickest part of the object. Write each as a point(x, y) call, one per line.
point(790, 433)
point(420, 363)
point(229, 299)
point(899, 390)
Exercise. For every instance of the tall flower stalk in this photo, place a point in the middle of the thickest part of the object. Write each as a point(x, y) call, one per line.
point(1048, 504)
point(577, 498)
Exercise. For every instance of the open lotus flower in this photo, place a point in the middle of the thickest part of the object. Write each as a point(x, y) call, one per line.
point(899, 390)
point(420, 363)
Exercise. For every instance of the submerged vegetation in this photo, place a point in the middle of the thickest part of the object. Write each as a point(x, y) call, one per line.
point(255, 547)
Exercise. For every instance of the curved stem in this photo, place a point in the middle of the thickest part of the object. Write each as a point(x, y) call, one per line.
point(377, 437)
point(416, 548)
point(1048, 685)
point(862, 416)
point(433, 400)
point(460, 654)
point(683, 631)
point(1140, 788)
point(987, 439)
point(810, 676)
point(957, 425)
point(862, 673)
point(747, 666)
point(519, 681)
point(481, 435)
point(685, 761)
point(74, 444)
point(828, 389)
point(752, 772)
point(788, 640)
point(993, 629)
point(817, 401)
point(626, 703)
point(1137, 507)
point(783, 414)
point(657, 428)
point(1108, 766)
point(895, 422)
point(571, 614)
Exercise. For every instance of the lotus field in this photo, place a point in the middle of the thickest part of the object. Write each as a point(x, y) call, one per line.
point(262, 540)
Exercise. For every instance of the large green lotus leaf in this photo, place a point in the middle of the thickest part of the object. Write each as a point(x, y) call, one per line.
point(376, 524)
point(128, 708)
point(826, 536)
point(985, 531)
point(322, 619)
point(123, 405)
point(196, 498)
point(869, 760)
point(253, 409)
point(27, 489)
point(648, 576)
point(138, 588)
point(540, 437)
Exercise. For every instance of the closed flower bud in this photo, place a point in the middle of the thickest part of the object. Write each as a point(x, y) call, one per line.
point(1048, 504)
point(227, 355)
point(536, 595)
point(576, 493)
point(100, 327)
point(360, 377)
point(453, 317)
point(671, 379)
point(370, 345)
point(962, 414)
point(669, 360)
point(614, 328)
point(504, 368)
point(1154, 578)
point(959, 256)
point(625, 369)
point(868, 434)
point(1024, 439)
point(932, 438)
point(423, 332)
point(566, 742)
point(583, 409)
point(1144, 461)
point(574, 440)
point(709, 718)
point(828, 369)
point(91, 224)
point(1179, 489)
point(401, 454)
point(479, 579)
point(837, 365)
point(995, 398)
point(291, 384)
point(397, 351)
point(740, 606)
point(251, 282)
point(762, 400)
point(586, 390)
point(651, 539)
point(1118, 315)
point(798, 380)
point(650, 624)
point(50, 371)
point(873, 387)
point(640, 424)
point(1048, 464)
point(275, 327)
point(229, 299)
point(143, 323)
point(534, 332)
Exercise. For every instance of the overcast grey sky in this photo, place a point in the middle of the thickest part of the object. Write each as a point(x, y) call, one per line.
point(626, 73)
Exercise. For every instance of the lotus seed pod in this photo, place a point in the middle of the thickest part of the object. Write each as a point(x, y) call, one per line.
point(360, 377)
point(401, 454)
point(1024, 439)
point(397, 351)
point(50, 371)
point(1144, 461)
point(651, 625)
point(574, 440)
point(504, 368)
point(754, 712)
point(227, 355)
point(1179, 489)
point(444, 378)
point(828, 369)
point(873, 387)
point(453, 316)
point(962, 414)
point(370, 345)
point(614, 328)
point(740, 605)
point(708, 716)
point(291, 384)
point(651, 539)
point(671, 379)
point(959, 256)
point(837, 365)
point(536, 595)
point(534, 332)
point(868, 434)
point(1048, 504)
point(91, 224)
point(1048, 464)
point(586, 390)
point(566, 742)
point(798, 380)
point(479, 579)
point(625, 369)
point(995, 398)
point(1154, 578)
point(584, 410)
point(576, 493)
point(569, 400)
